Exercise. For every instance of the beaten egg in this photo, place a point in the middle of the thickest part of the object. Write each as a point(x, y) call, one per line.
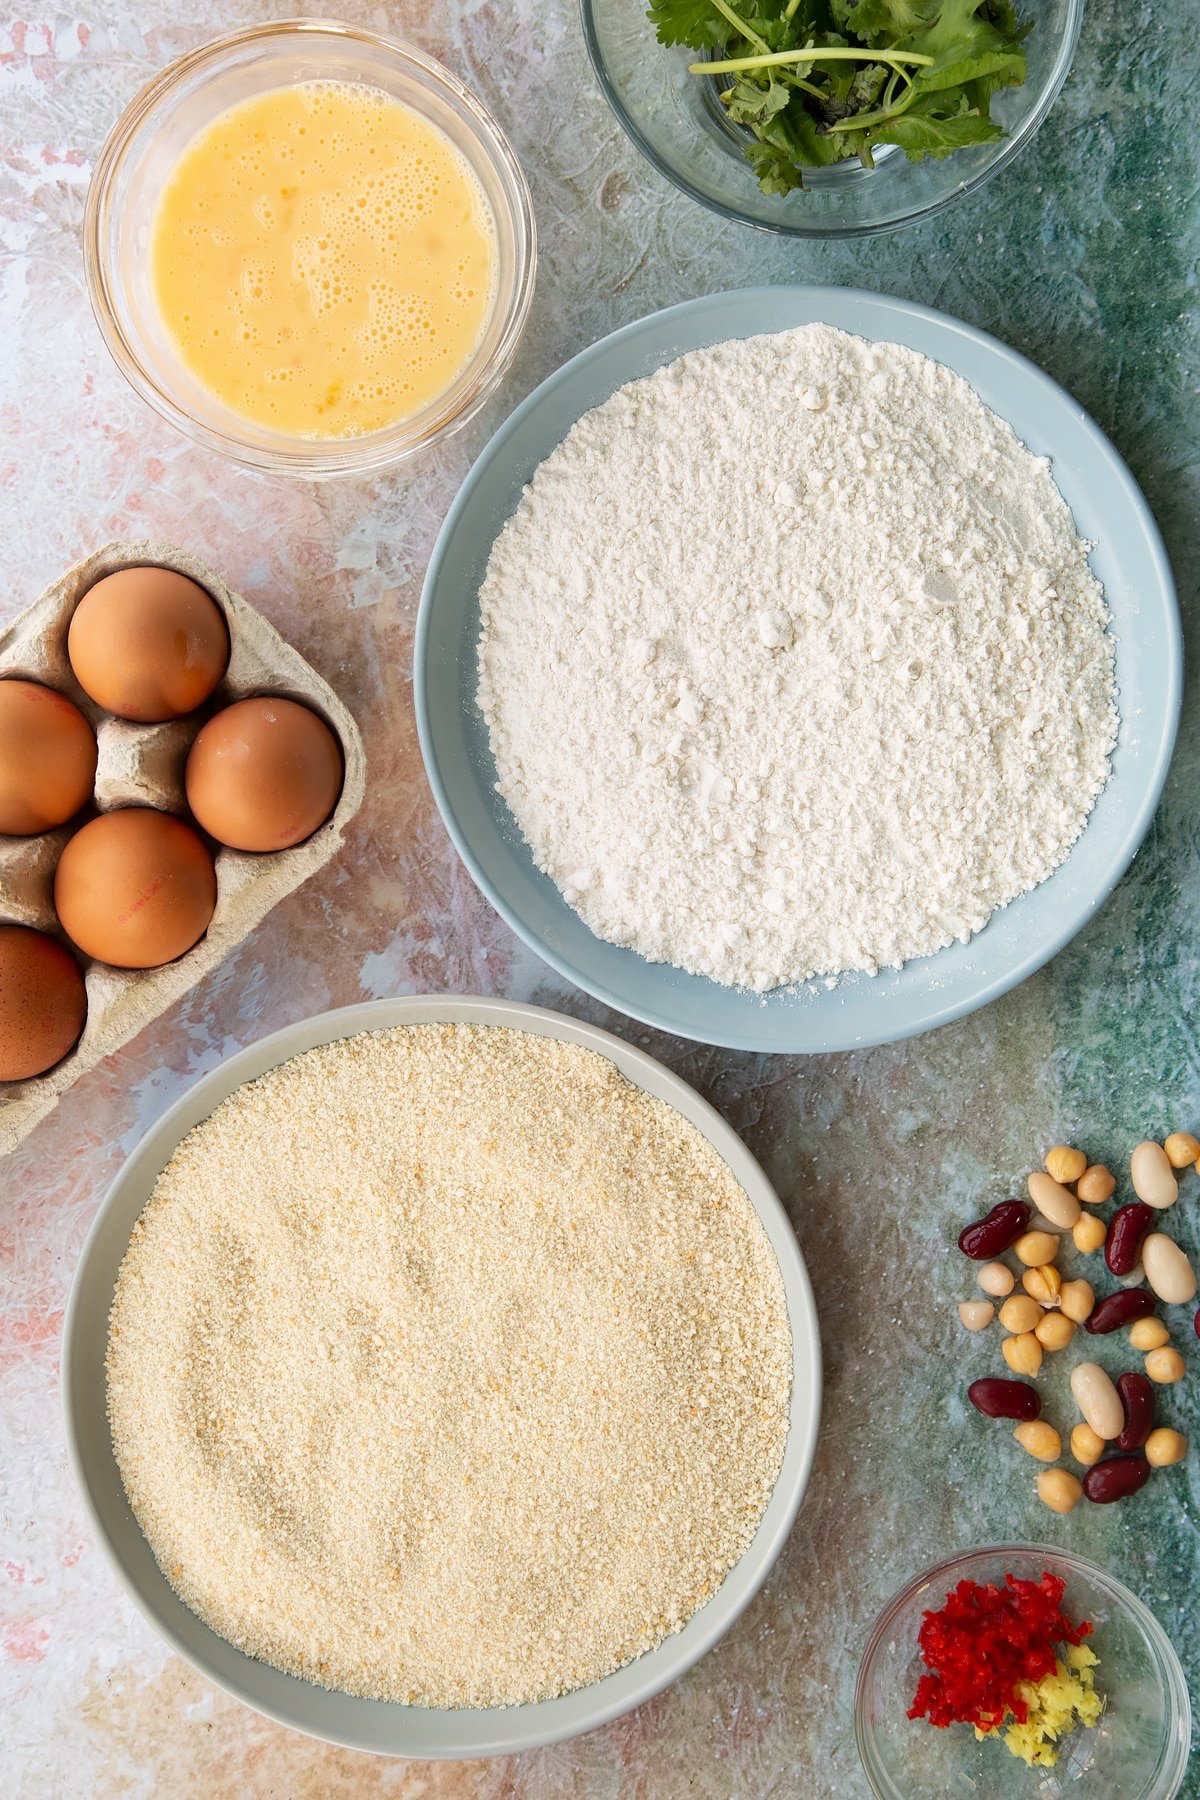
point(148, 644)
point(47, 758)
point(43, 1002)
point(324, 259)
point(135, 888)
point(263, 774)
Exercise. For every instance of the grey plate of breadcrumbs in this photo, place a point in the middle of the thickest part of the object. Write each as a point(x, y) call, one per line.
point(450, 1368)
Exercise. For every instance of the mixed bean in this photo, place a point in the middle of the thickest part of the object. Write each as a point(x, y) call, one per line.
point(1118, 1443)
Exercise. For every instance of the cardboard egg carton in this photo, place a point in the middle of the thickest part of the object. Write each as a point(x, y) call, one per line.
point(142, 765)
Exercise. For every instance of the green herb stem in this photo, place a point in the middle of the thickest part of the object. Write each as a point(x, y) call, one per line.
point(883, 116)
point(794, 81)
point(772, 59)
point(740, 24)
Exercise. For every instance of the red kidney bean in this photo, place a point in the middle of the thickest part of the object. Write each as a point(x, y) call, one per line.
point(1002, 1226)
point(1126, 1229)
point(1000, 1399)
point(1120, 1309)
point(1196, 1322)
point(1115, 1478)
point(1137, 1397)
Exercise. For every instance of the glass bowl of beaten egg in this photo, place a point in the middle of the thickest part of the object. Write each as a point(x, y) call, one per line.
point(310, 248)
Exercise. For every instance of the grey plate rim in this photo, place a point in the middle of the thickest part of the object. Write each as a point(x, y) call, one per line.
point(828, 304)
point(382, 1727)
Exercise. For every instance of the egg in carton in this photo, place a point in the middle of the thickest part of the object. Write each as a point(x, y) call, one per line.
point(143, 765)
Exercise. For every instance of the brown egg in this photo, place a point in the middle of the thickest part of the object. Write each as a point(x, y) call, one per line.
point(43, 1002)
point(148, 644)
point(263, 774)
point(135, 888)
point(47, 758)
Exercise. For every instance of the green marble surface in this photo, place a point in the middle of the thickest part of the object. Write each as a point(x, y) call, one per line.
point(1082, 255)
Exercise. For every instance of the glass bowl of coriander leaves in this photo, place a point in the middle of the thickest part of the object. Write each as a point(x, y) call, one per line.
point(830, 118)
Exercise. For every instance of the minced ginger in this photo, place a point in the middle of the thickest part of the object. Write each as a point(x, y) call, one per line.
point(1056, 1703)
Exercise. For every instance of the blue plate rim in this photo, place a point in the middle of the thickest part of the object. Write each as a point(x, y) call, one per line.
point(824, 299)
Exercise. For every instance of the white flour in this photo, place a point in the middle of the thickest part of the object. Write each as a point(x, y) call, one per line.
point(793, 663)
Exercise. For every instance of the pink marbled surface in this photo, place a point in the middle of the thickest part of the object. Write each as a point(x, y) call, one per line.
point(878, 1156)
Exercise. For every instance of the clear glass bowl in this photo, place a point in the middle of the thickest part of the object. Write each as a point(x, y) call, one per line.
point(1138, 1750)
point(677, 122)
point(141, 152)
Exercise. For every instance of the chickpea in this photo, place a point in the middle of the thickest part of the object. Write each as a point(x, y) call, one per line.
point(1164, 1447)
point(1059, 1490)
point(1089, 1233)
point(1037, 1247)
point(1077, 1300)
point(997, 1279)
point(1087, 1446)
point(1164, 1365)
point(1096, 1185)
point(1023, 1353)
point(1064, 1164)
point(1182, 1148)
point(1040, 1439)
point(1148, 1334)
point(1020, 1313)
point(976, 1315)
point(1055, 1331)
point(1043, 1284)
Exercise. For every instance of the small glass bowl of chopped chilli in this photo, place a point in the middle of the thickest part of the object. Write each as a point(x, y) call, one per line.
point(682, 127)
point(1106, 1709)
point(310, 248)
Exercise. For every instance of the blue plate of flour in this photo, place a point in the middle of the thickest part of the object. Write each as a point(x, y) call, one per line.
point(1128, 560)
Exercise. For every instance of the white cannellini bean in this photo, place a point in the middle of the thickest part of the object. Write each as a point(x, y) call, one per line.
point(1098, 1400)
point(1168, 1270)
point(1152, 1176)
point(996, 1278)
point(976, 1315)
point(1053, 1201)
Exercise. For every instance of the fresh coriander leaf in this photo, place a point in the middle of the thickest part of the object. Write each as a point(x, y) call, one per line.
point(774, 33)
point(979, 92)
point(696, 23)
point(766, 19)
point(747, 103)
point(809, 16)
point(922, 134)
point(703, 26)
point(881, 22)
point(958, 30)
point(865, 89)
point(760, 12)
point(1002, 15)
point(854, 144)
point(777, 173)
point(1000, 67)
point(797, 132)
point(777, 33)
point(807, 114)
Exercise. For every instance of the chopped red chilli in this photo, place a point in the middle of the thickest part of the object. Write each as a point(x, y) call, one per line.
point(982, 1642)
